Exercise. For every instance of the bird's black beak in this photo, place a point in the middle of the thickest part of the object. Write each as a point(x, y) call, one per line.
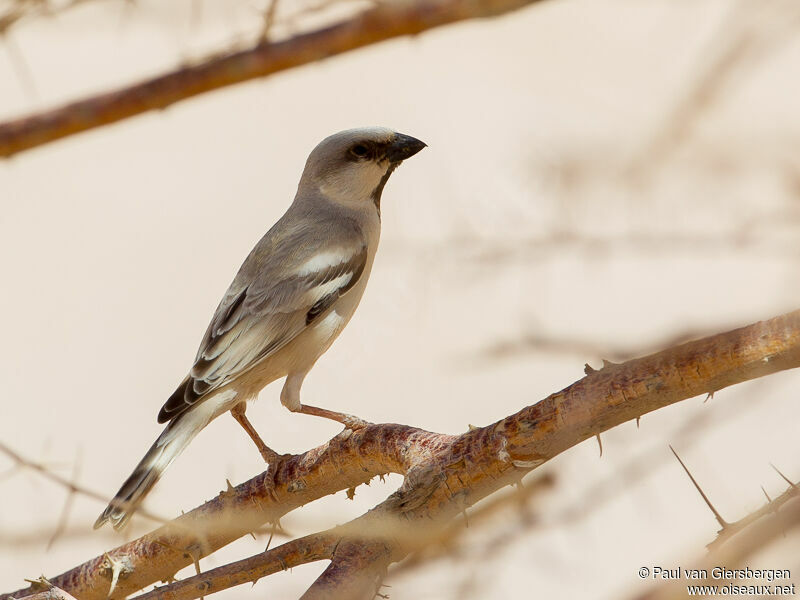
point(403, 147)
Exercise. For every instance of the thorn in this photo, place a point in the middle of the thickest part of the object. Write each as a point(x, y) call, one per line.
point(466, 518)
point(527, 464)
point(228, 491)
point(383, 479)
point(271, 534)
point(351, 493)
point(253, 535)
point(638, 421)
point(709, 397)
point(471, 427)
point(723, 523)
point(599, 443)
point(116, 568)
point(40, 584)
point(608, 363)
point(766, 494)
point(588, 370)
point(785, 478)
point(195, 556)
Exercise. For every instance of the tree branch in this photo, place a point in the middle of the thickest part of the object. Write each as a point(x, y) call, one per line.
point(444, 474)
point(298, 552)
point(324, 545)
point(755, 537)
point(50, 593)
point(345, 461)
point(384, 21)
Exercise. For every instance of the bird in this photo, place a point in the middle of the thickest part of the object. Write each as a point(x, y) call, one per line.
point(291, 298)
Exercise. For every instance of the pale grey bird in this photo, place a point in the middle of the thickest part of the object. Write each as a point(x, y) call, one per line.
point(289, 301)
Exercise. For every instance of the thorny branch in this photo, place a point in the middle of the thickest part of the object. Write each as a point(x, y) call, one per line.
point(49, 592)
point(757, 535)
point(444, 474)
point(384, 21)
point(729, 530)
point(20, 462)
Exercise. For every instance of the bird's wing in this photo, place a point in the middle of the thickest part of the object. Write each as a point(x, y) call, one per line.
point(285, 284)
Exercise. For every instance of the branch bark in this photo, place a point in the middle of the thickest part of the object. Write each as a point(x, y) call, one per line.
point(51, 593)
point(348, 460)
point(444, 474)
point(384, 21)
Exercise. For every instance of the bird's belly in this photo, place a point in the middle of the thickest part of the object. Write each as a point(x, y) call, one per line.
point(315, 341)
point(299, 355)
point(326, 330)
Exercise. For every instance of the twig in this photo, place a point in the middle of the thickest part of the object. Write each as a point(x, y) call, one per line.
point(772, 506)
point(382, 22)
point(72, 488)
point(722, 522)
point(49, 593)
point(758, 535)
point(62, 521)
point(301, 551)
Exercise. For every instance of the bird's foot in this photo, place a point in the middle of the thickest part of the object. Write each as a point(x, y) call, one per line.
point(353, 423)
point(268, 454)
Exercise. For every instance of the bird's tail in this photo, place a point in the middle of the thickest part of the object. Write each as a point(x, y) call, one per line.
point(166, 448)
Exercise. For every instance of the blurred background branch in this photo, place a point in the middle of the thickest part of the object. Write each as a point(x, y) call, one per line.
point(383, 21)
point(605, 179)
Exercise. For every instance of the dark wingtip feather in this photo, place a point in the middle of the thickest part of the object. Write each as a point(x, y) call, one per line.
point(166, 448)
point(116, 515)
point(180, 401)
point(101, 520)
point(133, 491)
point(119, 510)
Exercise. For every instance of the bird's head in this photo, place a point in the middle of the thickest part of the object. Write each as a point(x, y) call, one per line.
point(352, 166)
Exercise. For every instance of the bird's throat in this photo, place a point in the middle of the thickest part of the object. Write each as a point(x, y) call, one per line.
point(376, 193)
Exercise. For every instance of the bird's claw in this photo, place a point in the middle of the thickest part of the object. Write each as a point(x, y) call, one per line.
point(354, 423)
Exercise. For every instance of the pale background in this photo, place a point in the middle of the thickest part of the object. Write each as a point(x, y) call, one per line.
point(524, 217)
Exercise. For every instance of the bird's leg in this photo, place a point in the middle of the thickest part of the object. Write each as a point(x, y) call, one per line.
point(290, 398)
point(267, 453)
point(348, 421)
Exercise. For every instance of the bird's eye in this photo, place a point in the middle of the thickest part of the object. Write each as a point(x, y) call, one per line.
point(359, 150)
